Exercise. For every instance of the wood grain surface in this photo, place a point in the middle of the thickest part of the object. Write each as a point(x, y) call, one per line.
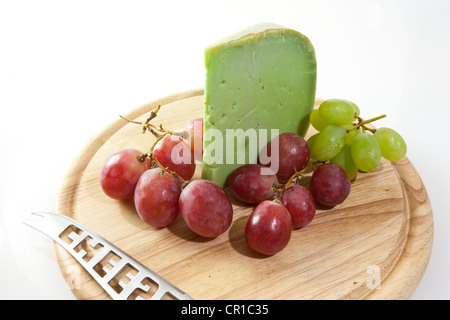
point(375, 245)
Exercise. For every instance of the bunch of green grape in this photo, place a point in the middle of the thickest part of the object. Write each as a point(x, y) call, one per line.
point(344, 138)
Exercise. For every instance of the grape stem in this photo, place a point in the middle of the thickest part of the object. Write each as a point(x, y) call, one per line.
point(156, 163)
point(362, 123)
point(147, 126)
point(280, 188)
point(153, 129)
point(159, 138)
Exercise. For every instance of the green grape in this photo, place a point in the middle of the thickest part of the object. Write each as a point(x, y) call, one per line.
point(317, 121)
point(345, 160)
point(351, 136)
point(355, 109)
point(311, 140)
point(392, 145)
point(366, 152)
point(337, 111)
point(348, 126)
point(328, 143)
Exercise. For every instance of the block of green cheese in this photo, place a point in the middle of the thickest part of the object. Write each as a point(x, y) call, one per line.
point(263, 77)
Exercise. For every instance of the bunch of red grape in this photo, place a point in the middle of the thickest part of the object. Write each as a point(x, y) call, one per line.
point(281, 204)
point(159, 184)
point(160, 181)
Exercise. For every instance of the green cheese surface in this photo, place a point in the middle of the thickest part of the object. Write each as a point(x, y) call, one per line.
point(263, 77)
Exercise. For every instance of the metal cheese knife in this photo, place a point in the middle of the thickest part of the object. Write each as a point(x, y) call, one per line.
point(126, 278)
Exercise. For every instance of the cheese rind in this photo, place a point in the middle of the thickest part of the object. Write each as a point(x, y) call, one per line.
point(263, 77)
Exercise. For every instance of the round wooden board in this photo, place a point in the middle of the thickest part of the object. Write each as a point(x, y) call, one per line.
point(375, 245)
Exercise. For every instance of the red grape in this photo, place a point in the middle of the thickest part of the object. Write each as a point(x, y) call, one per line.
point(156, 197)
point(293, 154)
point(247, 183)
point(205, 208)
point(301, 205)
point(330, 184)
point(268, 228)
point(174, 153)
point(194, 129)
point(120, 173)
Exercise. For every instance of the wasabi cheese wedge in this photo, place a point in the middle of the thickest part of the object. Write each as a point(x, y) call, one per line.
point(259, 79)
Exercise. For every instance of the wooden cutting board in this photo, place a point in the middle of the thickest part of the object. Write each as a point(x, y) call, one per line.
point(375, 245)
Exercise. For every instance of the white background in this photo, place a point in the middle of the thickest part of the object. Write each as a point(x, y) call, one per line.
point(68, 68)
